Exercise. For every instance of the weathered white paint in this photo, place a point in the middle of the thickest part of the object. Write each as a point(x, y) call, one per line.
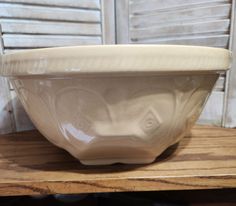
point(49, 27)
point(141, 6)
point(22, 121)
point(6, 117)
point(6, 121)
point(214, 40)
point(24, 41)
point(179, 29)
point(122, 21)
point(212, 112)
point(48, 13)
point(88, 4)
point(108, 21)
point(188, 15)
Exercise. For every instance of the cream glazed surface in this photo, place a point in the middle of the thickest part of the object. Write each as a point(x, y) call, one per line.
point(105, 111)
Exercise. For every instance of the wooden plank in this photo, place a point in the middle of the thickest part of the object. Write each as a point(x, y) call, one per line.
point(219, 26)
point(22, 121)
point(214, 12)
point(229, 117)
point(6, 118)
point(122, 21)
point(24, 41)
point(213, 110)
point(90, 4)
point(49, 27)
point(108, 21)
point(48, 13)
point(214, 41)
point(137, 7)
point(29, 165)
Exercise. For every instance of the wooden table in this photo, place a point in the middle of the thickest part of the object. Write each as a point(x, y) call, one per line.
point(29, 165)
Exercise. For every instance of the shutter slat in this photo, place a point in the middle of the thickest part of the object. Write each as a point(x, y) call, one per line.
point(90, 4)
point(48, 13)
point(34, 41)
point(216, 12)
point(181, 29)
point(214, 41)
point(144, 6)
point(50, 27)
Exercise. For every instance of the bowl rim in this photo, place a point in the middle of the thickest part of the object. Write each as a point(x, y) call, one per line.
point(100, 59)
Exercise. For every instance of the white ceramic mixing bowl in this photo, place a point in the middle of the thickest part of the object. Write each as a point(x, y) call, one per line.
point(120, 103)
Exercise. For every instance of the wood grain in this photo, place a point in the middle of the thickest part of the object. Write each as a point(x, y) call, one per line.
point(108, 21)
point(35, 41)
point(122, 22)
point(18, 26)
point(29, 164)
point(193, 29)
point(140, 6)
point(184, 15)
point(88, 4)
point(18, 11)
point(203, 40)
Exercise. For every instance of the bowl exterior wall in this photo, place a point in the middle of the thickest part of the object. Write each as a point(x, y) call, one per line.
point(109, 119)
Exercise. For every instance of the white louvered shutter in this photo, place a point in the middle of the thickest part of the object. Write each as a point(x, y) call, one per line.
point(188, 22)
point(28, 24)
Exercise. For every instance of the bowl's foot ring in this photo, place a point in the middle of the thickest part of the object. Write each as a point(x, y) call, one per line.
point(113, 161)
